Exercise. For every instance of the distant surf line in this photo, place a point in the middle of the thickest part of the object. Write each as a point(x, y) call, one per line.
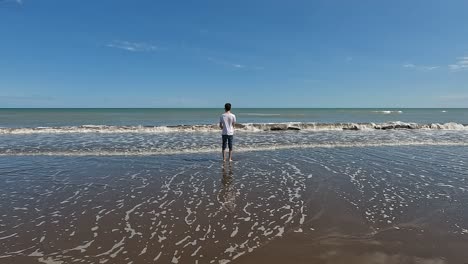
point(245, 127)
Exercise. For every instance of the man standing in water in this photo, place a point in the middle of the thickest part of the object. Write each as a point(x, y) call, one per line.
point(226, 123)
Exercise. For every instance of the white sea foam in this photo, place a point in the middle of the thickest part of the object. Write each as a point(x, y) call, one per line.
point(386, 112)
point(448, 126)
point(215, 149)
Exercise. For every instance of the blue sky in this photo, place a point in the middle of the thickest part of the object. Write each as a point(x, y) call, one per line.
point(113, 53)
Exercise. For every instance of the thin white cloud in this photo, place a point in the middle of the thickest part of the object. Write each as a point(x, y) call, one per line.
point(461, 64)
point(225, 63)
point(19, 2)
point(420, 67)
point(429, 68)
point(233, 65)
point(409, 65)
point(132, 46)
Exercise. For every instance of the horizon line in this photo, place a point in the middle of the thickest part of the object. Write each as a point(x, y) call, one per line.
point(390, 107)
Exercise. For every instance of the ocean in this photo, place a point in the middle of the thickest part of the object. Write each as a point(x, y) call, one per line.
point(306, 186)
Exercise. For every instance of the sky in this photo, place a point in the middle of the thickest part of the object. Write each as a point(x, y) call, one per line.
point(252, 53)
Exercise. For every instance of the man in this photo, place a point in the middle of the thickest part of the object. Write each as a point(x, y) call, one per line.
point(226, 123)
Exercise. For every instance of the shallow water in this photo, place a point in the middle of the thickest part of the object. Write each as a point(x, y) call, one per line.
point(386, 204)
point(58, 117)
point(125, 144)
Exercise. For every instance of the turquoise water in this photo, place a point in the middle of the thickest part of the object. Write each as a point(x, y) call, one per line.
point(187, 116)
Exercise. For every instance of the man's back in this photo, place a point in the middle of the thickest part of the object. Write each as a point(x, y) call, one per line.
point(228, 120)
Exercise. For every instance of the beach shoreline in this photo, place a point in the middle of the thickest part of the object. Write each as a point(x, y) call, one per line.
point(323, 205)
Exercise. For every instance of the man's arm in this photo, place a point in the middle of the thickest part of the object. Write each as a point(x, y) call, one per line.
point(221, 122)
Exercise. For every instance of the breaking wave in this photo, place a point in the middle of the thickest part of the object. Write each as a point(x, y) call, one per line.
point(389, 112)
point(251, 127)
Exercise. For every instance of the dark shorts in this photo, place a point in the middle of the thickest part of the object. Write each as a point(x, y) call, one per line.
point(227, 139)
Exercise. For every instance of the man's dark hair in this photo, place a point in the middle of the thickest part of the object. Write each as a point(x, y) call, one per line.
point(227, 107)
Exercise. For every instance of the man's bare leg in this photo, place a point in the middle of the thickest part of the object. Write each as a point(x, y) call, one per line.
point(224, 157)
point(230, 155)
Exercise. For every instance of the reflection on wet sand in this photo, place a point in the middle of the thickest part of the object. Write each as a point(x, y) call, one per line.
point(227, 194)
point(343, 205)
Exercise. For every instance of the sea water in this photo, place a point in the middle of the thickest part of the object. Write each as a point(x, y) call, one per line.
point(306, 185)
point(164, 131)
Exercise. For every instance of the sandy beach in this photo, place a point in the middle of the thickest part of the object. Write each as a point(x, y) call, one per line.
point(342, 205)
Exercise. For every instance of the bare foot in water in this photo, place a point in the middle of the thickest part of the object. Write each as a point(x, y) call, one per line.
point(230, 160)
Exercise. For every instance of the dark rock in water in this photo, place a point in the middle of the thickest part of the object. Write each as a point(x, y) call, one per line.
point(396, 126)
point(353, 127)
point(237, 125)
point(403, 126)
point(279, 127)
point(276, 128)
point(293, 128)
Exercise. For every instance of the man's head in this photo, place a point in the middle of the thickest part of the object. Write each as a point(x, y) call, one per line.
point(227, 107)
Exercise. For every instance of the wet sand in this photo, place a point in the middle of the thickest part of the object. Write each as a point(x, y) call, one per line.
point(333, 205)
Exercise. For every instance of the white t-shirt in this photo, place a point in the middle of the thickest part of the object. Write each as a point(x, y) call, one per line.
point(228, 120)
